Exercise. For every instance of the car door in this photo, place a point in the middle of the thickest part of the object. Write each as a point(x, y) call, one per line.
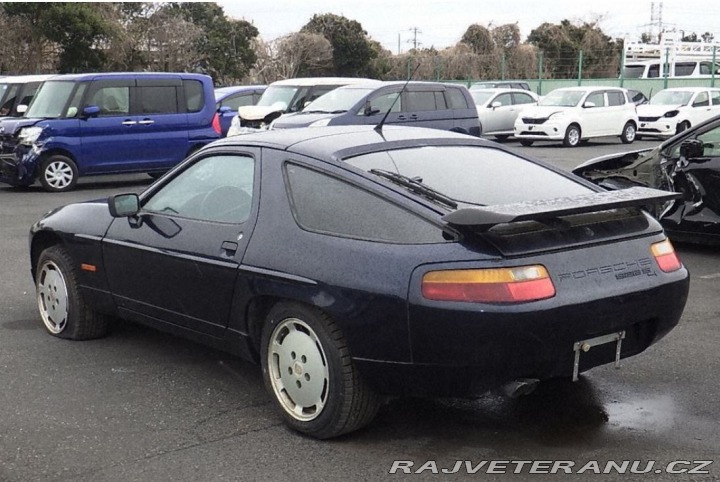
point(162, 123)
point(594, 120)
point(109, 140)
point(700, 108)
point(500, 117)
point(176, 261)
point(714, 102)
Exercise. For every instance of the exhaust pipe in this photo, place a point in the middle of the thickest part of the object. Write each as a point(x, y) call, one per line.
point(521, 386)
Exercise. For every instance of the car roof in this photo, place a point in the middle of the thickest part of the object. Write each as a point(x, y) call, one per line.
point(588, 88)
point(689, 89)
point(303, 81)
point(24, 79)
point(500, 90)
point(334, 142)
point(222, 92)
point(110, 75)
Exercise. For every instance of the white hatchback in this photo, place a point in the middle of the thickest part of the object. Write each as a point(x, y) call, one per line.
point(673, 110)
point(574, 114)
point(498, 108)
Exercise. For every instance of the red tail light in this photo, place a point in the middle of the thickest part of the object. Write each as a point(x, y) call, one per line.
point(504, 285)
point(665, 256)
point(216, 123)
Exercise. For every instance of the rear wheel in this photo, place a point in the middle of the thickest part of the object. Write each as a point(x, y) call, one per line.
point(58, 173)
point(62, 307)
point(526, 142)
point(628, 133)
point(502, 138)
point(307, 369)
point(572, 136)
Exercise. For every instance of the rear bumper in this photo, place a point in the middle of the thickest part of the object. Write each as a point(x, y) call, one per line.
point(465, 355)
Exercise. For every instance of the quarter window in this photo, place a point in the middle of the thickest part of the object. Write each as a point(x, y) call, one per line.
point(217, 188)
point(325, 204)
point(456, 99)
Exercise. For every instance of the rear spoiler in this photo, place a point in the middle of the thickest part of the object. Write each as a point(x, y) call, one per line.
point(486, 217)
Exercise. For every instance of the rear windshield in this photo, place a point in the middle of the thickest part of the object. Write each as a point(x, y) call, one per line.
point(474, 174)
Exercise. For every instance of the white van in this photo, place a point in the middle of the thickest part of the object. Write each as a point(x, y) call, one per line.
point(678, 68)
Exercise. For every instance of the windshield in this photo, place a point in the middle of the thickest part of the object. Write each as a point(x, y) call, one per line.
point(278, 96)
point(562, 98)
point(338, 99)
point(481, 96)
point(671, 97)
point(633, 71)
point(473, 174)
point(50, 100)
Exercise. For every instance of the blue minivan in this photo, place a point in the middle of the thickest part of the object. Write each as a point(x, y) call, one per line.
point(108, 123)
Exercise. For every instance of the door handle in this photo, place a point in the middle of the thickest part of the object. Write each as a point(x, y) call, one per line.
point(413, 116)
point(145, 122)
point(129, 123)
point(402, 117)
point(230, 247)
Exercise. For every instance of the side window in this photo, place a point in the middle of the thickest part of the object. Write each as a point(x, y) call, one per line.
point(706, 68)
point(597, 98)
point(683, 69)
point(715, 97)
point(522, 99)
point(217, 188)
point(382, 103)
point(325, 204)
point(194, 95)
point(301, 97)
point(9, 103)
point(653, 71)
point(238, 100)
point(504, 99)
point(158, 99)
point(420, 101)
point(112, 100)
point(440, 101)
point(616, 98)
point(701, 100)
point(455, 99)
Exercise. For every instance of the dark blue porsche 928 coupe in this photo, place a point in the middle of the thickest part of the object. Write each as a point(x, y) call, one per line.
point(355, 263)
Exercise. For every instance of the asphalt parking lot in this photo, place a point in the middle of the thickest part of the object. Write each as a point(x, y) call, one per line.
point(145, 406)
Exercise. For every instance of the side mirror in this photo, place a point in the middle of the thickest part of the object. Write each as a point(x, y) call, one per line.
point(124, 205)
point(91, 111)
point(589, 104)
point(370, 111)
point(224, 110)
point(21, 109)
point(497, 103)
point(692, 149)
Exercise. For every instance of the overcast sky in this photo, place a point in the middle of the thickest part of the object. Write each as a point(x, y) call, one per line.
point(441, 23)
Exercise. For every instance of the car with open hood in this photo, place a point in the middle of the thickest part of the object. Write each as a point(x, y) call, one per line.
point(688, 163)
point(229, 99)
point(354, 263)
point(284, 97)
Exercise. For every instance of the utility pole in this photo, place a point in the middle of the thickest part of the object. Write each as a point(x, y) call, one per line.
point(414, 40)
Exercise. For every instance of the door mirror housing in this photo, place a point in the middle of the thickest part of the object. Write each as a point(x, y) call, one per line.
point(91, 111)
point(497, 103)
point(692, 149)
point(124, 205)
point(589, 104)
point(21, 109)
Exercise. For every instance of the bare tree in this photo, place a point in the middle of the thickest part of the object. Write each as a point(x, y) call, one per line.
point(304, 54)
point(172, 43)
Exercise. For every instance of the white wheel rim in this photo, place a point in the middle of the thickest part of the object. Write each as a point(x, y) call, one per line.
point(52, 298)
point(573, 136)
point(298, 369)
point(58, 174)
point(630, 132)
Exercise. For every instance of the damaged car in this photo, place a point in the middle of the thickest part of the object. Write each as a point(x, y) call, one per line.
point(688, 163)
point(285, 97)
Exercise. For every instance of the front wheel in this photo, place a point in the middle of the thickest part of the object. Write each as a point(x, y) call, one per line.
point(58, 173)
point(62, 307)
point(526, 142)
point(683, 126)
point(628, 133)
point(307, 369)
point(572, 136)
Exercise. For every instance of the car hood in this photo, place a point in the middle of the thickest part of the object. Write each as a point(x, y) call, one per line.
point(625, 169)
point(301, 119)
point(647, 110)
point(542, 111)
point(12, 125)
point(257, 112)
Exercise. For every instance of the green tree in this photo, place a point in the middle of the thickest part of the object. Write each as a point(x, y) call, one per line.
point(353, 52)
point(225, 49)
point(77, 28)
point(561, 44)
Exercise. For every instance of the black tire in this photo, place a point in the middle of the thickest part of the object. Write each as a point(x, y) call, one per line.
point(683, 126)
point(502, 138)
point(629, 133)
point(308, 348)
point(573, 136)
point(63, 310)
point(58, 173)
point(526, 142)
